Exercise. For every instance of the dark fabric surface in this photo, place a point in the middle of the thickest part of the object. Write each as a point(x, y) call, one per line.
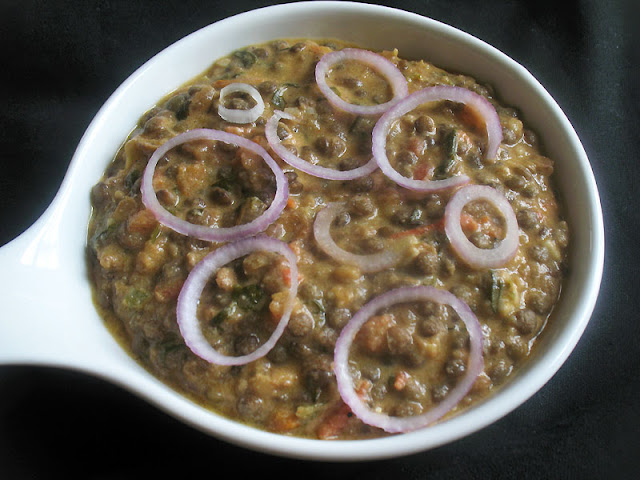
point(60, 60)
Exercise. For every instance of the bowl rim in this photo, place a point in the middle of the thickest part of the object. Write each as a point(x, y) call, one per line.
point(481, 415)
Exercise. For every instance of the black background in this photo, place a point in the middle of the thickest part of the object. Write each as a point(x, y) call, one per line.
point(60, 60)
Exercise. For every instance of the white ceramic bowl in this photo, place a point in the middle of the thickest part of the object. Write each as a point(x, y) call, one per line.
point(48, 315)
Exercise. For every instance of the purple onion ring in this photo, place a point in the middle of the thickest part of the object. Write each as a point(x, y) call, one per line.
point(271, 132)
point(480, 257)
point(196, 281)
point(379, 63)
point(478, 103)
point(241, 116)
point(366, 263)
point(202, 232)
point(389, 423)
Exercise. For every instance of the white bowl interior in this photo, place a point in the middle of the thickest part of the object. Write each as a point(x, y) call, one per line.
point(57, 241)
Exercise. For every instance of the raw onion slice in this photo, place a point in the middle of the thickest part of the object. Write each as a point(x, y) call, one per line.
point(389, 423)
point(196, 281)
point(202, 232)
point(271, 132)
point(480, 105)
point(366, 263)
point(480, 257)
point(241, 116)
point(379, 63)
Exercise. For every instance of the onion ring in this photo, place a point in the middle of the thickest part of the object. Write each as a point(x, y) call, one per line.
point(379, 63)
point(194, 285)
point(388, 423)
point(480, 257)
point(271, 132)
point(478, 103)
point(366, 263)
point(202, 232)
point(241, 116)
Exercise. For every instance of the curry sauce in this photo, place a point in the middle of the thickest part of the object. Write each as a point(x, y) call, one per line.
point(408, 356)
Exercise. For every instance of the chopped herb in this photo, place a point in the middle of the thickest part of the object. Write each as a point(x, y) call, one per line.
point(223, 314)
point(105, 233)
point(278, 96)
point(497, 284)
point(155, 234)
point(250, 297)
point(451, 155)
point(452, 144)
point(336, 91)
point(246, 58)
point(219, 318)
point(136, 298)
point(131, 178)
point(361, 125)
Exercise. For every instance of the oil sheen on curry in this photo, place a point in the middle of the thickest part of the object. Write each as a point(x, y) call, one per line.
point(323, 241)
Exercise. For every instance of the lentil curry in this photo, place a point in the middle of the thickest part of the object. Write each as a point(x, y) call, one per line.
point(407, 357)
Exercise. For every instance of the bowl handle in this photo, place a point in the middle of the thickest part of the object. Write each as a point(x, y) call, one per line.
point(40, 294)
